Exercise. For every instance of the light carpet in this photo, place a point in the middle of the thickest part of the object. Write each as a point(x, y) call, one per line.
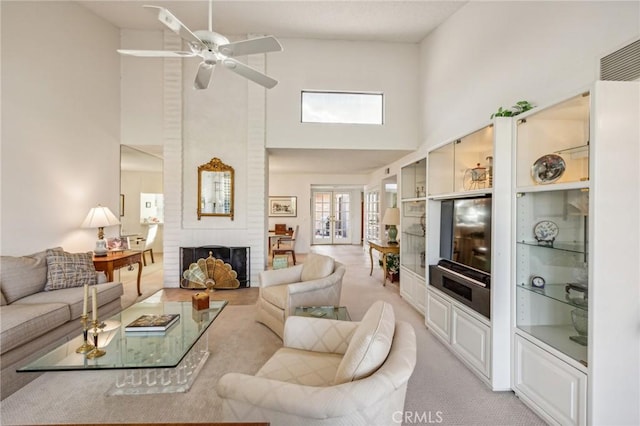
point(236, 341)
point(441, 390)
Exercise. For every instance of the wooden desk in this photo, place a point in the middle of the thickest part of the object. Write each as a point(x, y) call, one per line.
point(117, 260)
point(384, 248)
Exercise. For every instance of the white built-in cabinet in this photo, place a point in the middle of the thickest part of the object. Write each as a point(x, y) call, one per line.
point(476, 164)
point(575, 255)
point(413, 189)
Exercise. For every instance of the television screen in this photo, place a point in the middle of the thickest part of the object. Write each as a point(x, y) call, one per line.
point(465, 232)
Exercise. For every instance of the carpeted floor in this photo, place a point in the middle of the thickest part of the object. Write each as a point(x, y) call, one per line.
point(441, 390)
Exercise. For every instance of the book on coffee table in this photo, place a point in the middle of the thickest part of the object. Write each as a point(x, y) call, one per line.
point(160, 322)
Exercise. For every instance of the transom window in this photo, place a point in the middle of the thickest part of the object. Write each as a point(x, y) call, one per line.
point(342, 107)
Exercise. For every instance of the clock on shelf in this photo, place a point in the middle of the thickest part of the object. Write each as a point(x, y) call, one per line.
point(537, 282)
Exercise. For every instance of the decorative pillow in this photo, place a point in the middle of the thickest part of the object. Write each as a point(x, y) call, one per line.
point(369, 345)
point(316, 266)
point(23, 275)
point(65, 270)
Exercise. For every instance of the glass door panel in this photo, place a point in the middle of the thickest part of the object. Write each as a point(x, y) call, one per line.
point(331, 217)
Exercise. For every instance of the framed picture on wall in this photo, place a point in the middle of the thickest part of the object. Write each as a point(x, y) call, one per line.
point(283, 207)
point(121, 205)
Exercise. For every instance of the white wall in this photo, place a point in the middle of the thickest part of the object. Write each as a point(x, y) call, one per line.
point(391, 68)
point(492, 54)
point(60, 125)
point(141, 92)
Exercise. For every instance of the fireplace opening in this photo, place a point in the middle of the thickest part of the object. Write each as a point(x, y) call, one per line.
point(237, 257)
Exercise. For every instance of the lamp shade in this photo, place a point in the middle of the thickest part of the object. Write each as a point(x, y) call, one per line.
point(99, 217)
point(391, 216)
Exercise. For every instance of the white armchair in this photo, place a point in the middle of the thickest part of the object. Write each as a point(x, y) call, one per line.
point(329, 372)
point(316, 282)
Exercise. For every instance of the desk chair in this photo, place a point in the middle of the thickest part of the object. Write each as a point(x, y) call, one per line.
point(286, 245)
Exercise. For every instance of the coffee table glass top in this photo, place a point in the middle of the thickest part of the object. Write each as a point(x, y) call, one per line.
point(128, 350)
point(329, 312)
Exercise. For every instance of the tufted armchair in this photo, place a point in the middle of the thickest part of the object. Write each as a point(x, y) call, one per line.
point(316, 282)
point(329, 372)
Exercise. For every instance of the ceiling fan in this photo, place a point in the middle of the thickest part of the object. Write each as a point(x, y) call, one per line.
point(213, 48)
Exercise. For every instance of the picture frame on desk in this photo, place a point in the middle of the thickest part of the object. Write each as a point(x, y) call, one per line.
point(118, 243)
point(284, 206)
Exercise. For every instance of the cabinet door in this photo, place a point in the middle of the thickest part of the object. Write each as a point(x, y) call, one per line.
point(552, 385)
point(471, 339)
point(437, 316)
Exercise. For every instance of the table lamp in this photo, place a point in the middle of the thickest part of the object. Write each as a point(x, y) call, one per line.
point(392, 218)
point(99, 217)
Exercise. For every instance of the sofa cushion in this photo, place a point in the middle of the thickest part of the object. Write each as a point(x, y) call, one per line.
point(316, 266)
point(67, 270)
point(301, 367)
point(21, 323)
point(74, 297)
point(22, 276)
point(369, 345)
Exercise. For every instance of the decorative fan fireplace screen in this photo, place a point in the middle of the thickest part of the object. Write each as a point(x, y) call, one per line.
point(227, 267)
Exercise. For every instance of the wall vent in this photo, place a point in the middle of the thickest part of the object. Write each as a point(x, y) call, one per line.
point(623, 64)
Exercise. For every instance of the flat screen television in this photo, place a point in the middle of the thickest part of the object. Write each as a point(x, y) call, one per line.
point(465, 232)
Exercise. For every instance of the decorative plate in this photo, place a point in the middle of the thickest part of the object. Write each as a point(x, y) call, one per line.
point(545, 231)
point(548, 168)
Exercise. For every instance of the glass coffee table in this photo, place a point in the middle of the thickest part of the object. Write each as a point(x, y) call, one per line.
point(148, 362)
point(329, 312)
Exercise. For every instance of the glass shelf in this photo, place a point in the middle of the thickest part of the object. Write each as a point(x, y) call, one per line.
point(559, 337)
point(576, 247)
point(582, 149)
point(557, 292)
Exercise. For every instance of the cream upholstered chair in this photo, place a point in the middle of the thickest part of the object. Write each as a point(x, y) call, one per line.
point(329, 372)
point(316, 282)
point(144, 245)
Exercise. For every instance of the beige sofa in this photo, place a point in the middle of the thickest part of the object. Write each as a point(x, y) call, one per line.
point(39, 308)
point(329, 372)
point(316, 282)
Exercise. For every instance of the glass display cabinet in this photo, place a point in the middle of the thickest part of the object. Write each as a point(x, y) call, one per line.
point(412, 240)
point(463, 165)
point(552, 218)
point(552, 290)
point(413, 233)
point(414, 180)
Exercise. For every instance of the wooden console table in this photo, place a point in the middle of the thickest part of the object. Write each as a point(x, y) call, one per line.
point(117, 260)
point(384, 248)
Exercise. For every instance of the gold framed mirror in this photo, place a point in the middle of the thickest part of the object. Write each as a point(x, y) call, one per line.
point(215, 189)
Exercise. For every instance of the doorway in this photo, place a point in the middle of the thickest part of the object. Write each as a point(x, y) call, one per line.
point(332, 216)
point(141, 193)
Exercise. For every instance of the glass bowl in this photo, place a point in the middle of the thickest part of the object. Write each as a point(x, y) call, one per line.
point(580, 320)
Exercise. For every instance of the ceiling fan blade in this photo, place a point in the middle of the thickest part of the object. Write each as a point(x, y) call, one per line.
point(156, 53)
point(203, 77)
point(248, 47)
point(174, 24)
point(248, 72)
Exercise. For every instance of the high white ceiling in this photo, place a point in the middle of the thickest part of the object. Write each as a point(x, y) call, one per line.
point(369, 20)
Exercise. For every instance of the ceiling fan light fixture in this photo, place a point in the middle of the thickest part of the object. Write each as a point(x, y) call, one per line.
point(212, 48)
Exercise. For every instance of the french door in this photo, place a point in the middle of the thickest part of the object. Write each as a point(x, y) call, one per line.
point(331, 217)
